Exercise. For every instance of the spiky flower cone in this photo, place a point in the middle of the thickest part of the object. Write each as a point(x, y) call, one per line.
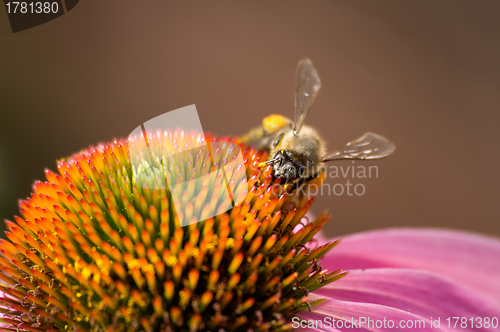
point(95, 252)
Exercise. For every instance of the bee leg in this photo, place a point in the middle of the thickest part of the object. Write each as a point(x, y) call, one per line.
point(301, 186)
point(257, 138)
point(278, 140)
point(312, 177)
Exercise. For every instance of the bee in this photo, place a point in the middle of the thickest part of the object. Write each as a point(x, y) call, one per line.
point(296, 151)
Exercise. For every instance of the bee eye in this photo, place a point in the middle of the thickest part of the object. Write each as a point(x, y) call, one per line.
point(280, 160)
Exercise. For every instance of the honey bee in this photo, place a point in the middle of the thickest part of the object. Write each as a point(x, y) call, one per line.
point(297, 151)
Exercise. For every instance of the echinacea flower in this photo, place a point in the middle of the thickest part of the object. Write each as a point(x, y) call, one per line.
point(100, 247)
point(95, 251)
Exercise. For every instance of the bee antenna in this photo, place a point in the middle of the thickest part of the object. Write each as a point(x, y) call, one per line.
point(268, 162)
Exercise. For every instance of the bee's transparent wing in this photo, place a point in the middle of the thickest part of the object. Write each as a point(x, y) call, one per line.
point(307, 85)
point(368, 146)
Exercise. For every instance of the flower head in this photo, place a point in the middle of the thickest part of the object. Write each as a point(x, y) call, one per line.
point(100, 247)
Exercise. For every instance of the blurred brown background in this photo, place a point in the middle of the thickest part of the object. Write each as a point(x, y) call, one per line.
point(426, 74)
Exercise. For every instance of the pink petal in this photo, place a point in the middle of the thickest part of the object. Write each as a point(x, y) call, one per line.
point(471, 259)
point(353, 311)
point(425, 294)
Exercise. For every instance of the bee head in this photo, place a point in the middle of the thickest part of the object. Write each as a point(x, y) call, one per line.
point(286, 167)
